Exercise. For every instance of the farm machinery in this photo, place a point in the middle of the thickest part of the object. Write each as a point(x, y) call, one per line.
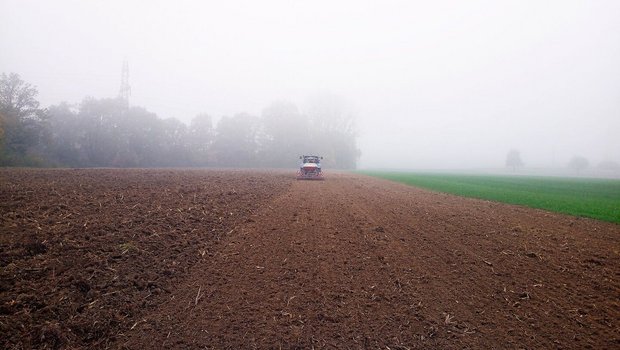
point(310, 168)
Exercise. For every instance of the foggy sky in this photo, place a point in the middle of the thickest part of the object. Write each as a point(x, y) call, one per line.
point(441, 84)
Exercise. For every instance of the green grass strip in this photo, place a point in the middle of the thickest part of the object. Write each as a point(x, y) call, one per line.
point(594, 198)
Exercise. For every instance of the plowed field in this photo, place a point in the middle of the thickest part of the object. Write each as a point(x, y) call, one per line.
point(238, 259)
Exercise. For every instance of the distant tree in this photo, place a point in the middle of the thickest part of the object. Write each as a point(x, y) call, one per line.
point(200, 138)
point(23, 122)
point(284, 134)
point(143, 138)
point(104, 132)
point(103, 136)
point(513, 159)
point(333, 131)
point(578, 163)
point(174, 144)
point(66, 135)
point(18, 98)
point(1, 133)
point(235, 143)
point(609, 165)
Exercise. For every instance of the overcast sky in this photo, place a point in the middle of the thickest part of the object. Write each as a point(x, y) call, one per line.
point(435, 84)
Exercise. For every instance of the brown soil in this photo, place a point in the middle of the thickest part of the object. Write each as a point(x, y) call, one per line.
point(155, 259)
point(85, 254)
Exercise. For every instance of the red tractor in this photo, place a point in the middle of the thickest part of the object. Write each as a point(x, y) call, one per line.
point(310, 168)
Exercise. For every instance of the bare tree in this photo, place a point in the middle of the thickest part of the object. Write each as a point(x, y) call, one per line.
point(578, 163)
point(513, 159)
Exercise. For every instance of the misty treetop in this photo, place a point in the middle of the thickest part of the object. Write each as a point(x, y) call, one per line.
point(107, 133)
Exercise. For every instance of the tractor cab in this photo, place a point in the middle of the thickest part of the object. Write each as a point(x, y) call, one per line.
point(311, 159)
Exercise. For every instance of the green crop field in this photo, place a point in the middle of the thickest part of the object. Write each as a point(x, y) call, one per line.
point(594, 198)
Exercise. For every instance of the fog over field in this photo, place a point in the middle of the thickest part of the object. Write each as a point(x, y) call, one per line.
point(432, 84)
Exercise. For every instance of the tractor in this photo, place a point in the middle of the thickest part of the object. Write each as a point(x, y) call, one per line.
point(310, 168)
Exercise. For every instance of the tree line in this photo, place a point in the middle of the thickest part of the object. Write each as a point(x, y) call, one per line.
point(106, 132)
point(576, 163)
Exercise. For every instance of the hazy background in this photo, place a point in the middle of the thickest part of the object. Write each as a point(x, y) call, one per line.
point(441, 84)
